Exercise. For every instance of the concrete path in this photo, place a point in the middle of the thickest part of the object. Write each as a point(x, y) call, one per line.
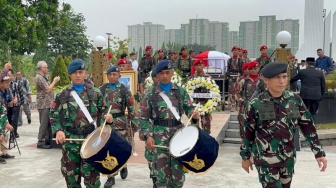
point(38, 168)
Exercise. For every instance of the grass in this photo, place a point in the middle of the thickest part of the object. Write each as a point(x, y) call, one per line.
point(325, 126)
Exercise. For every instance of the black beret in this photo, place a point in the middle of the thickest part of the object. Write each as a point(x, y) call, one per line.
point(183, 48)
point(123, 55)
point(75, 65)
point(164, 65)
point(113, 68)
point(190, 51)
point(153, 74)
point(132, 53)
point(274, 69)
point(310, 59)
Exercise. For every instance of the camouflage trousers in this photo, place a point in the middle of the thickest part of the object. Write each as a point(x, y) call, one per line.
point(276, 177)
point(149, 156)
point(206, 122)
point(169, 171)
point(73, 167)
point(240, 117)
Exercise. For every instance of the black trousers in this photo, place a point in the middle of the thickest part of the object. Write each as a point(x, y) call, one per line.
point(13, 117)
point(312, 105)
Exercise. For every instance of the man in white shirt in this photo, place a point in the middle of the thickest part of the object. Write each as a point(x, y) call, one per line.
point(303, 65)
point(135, 63)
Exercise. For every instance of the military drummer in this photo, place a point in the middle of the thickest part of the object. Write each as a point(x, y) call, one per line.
point(169, 171)
point(271, 119)
point(68, 121)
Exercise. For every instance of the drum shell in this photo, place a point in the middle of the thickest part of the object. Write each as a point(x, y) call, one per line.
point(117, 147)
point(206, 149)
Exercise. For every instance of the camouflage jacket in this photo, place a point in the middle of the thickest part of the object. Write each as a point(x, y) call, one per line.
point(245, 60)
point(120, 98)
point(184, 65)
point(65, 112)
point(3, 119)
point(263, 61)
point(269, 129)
point(150, 110)
point(200, 90)
point(43, 100)
point(146, 65)
point(235, 66)
point(247, 87)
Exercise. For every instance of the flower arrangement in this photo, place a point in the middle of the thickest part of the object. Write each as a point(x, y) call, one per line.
point(176, 79)
point(211, 86)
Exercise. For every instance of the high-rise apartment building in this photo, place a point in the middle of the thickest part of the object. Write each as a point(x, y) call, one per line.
point(219, 36)
point(293, 27)
point(233, 40)
point(146, 34)
point(248, 32)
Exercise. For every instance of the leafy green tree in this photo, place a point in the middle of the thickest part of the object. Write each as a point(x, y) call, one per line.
point(118, 46)
point(61, 70)
point(67, 61)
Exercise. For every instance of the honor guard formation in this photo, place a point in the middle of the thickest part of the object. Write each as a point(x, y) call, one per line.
point(96, 125)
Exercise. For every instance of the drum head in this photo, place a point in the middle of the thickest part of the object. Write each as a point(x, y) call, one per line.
point(93, 144)
point(183, 141)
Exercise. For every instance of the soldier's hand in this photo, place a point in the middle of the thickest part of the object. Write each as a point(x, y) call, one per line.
point(8, 65)
point(108, 118)
point(56, 79)
point(150, 143)
point(9, 127)
point(60, 137)
point(2, 137)
point(322, 162)
point(247, 165)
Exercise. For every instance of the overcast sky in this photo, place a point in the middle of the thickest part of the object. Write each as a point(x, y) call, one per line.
point(114, 16)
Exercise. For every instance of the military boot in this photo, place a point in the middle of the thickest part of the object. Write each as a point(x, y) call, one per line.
point(110, 181)
point(154, 181)
point(123, 173)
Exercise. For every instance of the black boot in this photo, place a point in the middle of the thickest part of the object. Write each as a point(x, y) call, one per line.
point(154, 181)
point(123, 173)
point(110, 181)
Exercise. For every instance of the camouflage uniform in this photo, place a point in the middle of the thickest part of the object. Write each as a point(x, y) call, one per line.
point(206, 118)
point(3, 122)
point(145, 66)
point(269, 129)
point(152, 107)
point(234, 68)
point(263, 61)
point(184, 65)
point(67, 116)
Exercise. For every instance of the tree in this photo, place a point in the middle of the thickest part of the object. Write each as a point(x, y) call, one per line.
point(69, 37)
point(61, 70)
point(118, 47)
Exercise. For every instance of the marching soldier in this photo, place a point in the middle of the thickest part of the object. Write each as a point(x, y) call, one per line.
point(184, 63)
point(244, 57)
point(271, 119)
point(192, 54)
point(153, 107)
point(263, 60)
point(149, 153)
point(119, 97)
point(206, 118)
point(147, 63)
point(68, 121)
point(174, 57)
point(160, 55)
point(234, 70)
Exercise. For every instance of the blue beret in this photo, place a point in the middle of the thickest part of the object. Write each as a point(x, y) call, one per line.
point(153, 74)
point(75, 65)
point(164, 65)
point(113, 68)
point(274, 69)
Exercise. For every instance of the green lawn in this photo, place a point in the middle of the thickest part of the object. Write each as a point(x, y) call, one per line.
point(326, 126)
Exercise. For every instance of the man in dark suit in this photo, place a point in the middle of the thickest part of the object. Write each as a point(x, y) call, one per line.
point(312, 85)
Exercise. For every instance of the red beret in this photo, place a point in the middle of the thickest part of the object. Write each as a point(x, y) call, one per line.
point(234, 48)
point(253, 64)
point(292, 57)
point(244, 51)
point(263, 47)
point(122, 61)
point(174, 52)
point(245, 66)
point(160, 50)
point(239, 48)
point(109, 55)
point(148, 48)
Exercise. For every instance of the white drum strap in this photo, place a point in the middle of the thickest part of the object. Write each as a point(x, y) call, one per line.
point(82, 107)
point(170, 105)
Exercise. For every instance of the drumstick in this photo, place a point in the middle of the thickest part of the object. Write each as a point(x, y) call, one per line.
point(158, 146)
point(101, 131)
point(196, 108)
point(72, 139)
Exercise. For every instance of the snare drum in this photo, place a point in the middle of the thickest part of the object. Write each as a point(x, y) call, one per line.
point(194, 148)
point(108, 153)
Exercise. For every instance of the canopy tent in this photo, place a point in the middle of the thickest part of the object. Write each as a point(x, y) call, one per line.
point(213, 59)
